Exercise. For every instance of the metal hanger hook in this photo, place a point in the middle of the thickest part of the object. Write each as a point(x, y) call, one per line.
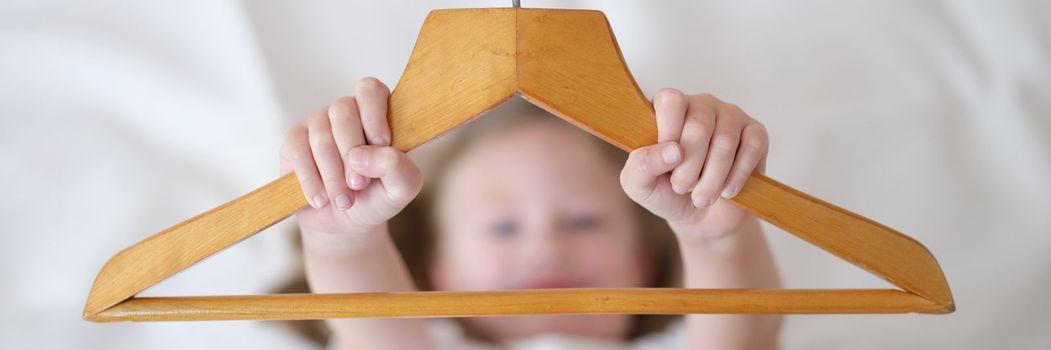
point(516, 3)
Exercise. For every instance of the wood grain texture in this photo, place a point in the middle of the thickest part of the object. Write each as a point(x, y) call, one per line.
point(465, 62)
point(570, 65)
point(144, 264)
point(521, 302)
point(884, 252)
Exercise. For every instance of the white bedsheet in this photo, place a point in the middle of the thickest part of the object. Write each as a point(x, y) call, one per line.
point(119, 120)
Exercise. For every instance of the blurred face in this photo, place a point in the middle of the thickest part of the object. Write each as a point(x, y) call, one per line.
point(537, 207)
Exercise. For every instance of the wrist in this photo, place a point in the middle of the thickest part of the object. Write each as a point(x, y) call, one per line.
point(691, 236)
point(343, 243)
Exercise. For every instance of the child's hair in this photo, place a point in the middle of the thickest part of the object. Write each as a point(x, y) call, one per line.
point(413, 230)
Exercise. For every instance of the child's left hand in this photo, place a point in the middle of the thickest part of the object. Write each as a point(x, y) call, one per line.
point(710, 148)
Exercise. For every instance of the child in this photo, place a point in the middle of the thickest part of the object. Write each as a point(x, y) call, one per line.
point(535, 203)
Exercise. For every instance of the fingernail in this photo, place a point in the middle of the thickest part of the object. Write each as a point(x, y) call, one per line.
point(343, 202)
point(701, 201)
point(670, 153)
point(380, 141)
point(730, 192)
point(358, 158)
point(318, 201)
point(676, 188)
point(356, 181)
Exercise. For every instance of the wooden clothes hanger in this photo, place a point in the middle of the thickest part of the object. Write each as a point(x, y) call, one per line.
point(467, 61)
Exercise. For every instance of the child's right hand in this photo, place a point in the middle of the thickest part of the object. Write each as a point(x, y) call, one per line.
point(337, 152)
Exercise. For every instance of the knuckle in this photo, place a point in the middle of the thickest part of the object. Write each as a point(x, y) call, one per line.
point(702, 115)
point(705, 129)
point(291, 134)
point(317, 121)
point(756, 140)
point(325, 148)
point(669, 97)
point(752, 146)
point(636, 194)
point(636, 159)
point(297, 125)
point(391, 158)
point(343, 107)
point(724, 143)
point(760, 130)
point(683, 180)
point(371, 84)
point(344, 101)
point(319, 113)
point(320, 136)
point(627, 184)
point(296, 152)
point(697, 128)
point(332, 183)
point(710, 191)
point(733, 110)
point(706, 98)
point(756, 145)
point(397, 197)
point(738, 175)
point(643, 168)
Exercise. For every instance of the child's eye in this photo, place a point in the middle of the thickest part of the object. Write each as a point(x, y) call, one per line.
point(504, 228)
point(583, 222)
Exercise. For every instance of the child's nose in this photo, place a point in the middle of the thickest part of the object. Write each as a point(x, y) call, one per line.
point(548, 249)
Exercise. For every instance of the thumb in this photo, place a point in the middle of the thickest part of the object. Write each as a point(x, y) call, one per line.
point(398, 174)
point(644, 167)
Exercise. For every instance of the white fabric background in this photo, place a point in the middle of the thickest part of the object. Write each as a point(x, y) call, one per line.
point(122, 118)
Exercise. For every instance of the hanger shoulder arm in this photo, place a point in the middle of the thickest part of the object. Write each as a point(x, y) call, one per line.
point(887, 253)
point(152, 260)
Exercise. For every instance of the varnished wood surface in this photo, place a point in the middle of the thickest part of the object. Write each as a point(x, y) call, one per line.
point(176, 248)
point(545, 301)
point(465, 62)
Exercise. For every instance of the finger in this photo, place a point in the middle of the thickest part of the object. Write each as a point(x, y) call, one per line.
point(644, 166)
point(346, 130)
point(296, 151)
point(761, 168)
point(372, 97)
point(670, 107)
point(721, 154)
point(696, 134)
point(284, 167)
point(284, 163)
point(329, 163)
point(398, 174)
point(285, 155)
point(751, 156)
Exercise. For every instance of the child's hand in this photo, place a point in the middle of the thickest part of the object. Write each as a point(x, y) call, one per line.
point(336, 153)
point(710, 148)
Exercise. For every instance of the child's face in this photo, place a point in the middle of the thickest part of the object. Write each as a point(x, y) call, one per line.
point(538, 207)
